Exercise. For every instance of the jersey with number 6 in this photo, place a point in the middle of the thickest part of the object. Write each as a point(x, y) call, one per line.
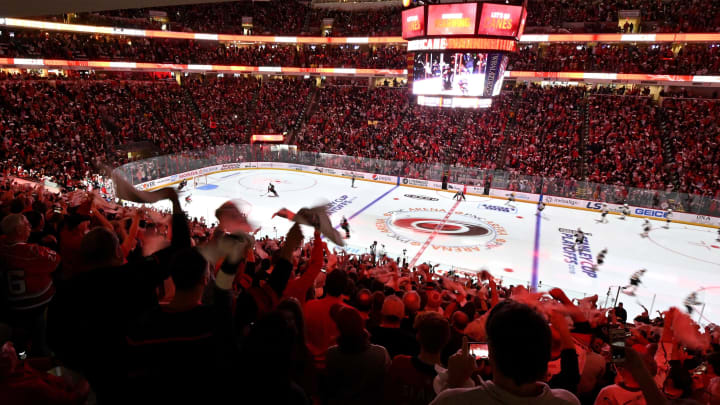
point(26, 272)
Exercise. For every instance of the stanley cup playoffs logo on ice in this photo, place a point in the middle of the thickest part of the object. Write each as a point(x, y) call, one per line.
point(580, 259)
point(462, 232)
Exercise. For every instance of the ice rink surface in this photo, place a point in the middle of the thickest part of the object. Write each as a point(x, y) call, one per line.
point(486, 233)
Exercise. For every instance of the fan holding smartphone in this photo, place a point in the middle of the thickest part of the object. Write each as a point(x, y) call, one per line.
point(479, 350)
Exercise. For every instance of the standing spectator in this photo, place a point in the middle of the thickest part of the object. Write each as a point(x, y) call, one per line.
point(355, 367)
point(458, 322)
point(389, 334)
point(87, 320)
point(27, 269)
point(410, 378)
point(179, 349)
point(621, 313)
point(626, 390)
point(411, 300)
point(519, 342)
point(267, 377)
point(321, 330)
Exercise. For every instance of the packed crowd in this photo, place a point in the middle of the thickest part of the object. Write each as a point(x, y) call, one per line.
point(42, 120)
point(531, 130)
point(695, 59)
point(546, 135)
point(382, 22)
point(624, 143)
point(572, 133)
point(48, 44)
point(104, 303)
point(695, 137)
point(665, 16)
point(385, 123)
point(288, 17)
point(294, 18)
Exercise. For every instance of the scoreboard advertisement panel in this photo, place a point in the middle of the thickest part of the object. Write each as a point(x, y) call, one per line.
point(413, 22)
point(500, 20)
point(464, 19)
point(452, 19)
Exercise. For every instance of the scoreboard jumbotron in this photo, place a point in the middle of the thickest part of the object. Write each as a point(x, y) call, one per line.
point(460, 51)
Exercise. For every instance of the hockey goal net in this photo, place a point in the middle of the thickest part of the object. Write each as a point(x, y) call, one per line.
point(199, 181)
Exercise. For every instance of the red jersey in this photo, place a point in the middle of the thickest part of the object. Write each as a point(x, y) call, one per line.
point(410, 381)
point(27, 269)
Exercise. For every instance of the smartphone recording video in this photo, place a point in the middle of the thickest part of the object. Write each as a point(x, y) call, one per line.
point(617, 344)
point(479, 350)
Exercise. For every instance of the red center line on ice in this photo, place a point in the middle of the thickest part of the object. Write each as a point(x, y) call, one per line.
point(433, 234)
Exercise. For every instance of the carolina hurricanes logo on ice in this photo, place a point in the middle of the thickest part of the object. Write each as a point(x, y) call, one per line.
point(462, 232)
point(429, 225)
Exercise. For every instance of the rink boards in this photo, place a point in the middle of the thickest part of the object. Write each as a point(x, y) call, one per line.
point(587, 205)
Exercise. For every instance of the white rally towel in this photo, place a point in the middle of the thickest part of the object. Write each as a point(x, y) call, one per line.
point(316, 217)
point(233, 246)
point(232, 218)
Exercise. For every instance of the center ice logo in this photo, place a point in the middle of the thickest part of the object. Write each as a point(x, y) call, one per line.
point(461, 232)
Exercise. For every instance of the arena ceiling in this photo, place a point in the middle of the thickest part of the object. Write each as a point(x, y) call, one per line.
point(17, 8)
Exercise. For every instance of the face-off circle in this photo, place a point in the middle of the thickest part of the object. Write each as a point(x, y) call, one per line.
point(701, 248)
point(460, 230)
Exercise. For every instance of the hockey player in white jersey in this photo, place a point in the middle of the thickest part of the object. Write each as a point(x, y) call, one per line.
point(691, 301)
point(668, 218)
point(646, 228)
point(600, 259)
point(540, 208)
point(624, 211)
point(603, 213)
point(634, 282)
point(511, 200)
point(579, 238)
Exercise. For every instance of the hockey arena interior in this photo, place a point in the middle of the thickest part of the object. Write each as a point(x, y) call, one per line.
point(360, 202)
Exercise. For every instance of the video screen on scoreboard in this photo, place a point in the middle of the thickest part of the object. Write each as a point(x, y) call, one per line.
point(449, 73)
